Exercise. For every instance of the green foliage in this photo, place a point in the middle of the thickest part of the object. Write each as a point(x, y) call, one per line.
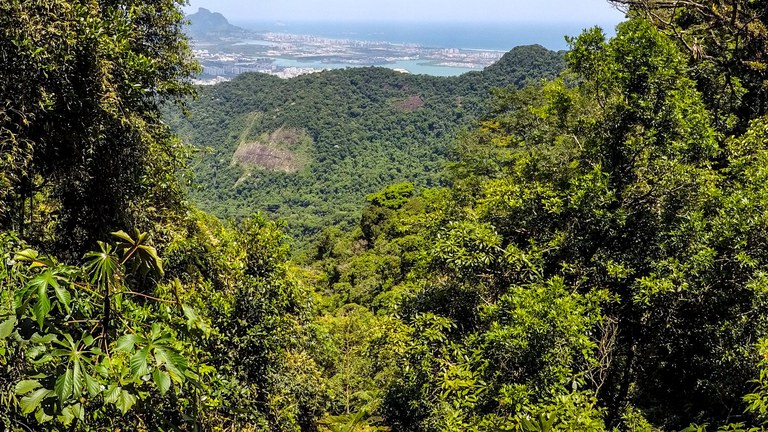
point(60, 340)
point(363, 138)
point(257, 309)
point(596, 263)
point(82, 147)
point(725, 42)
point(392, 197)
point(597, 260)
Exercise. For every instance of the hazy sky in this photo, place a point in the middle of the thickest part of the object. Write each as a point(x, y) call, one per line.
point(573, 11)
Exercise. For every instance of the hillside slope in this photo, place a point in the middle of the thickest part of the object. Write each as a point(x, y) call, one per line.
point(308, 150)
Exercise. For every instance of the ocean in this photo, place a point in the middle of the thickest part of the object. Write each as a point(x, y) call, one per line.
point(481, 36)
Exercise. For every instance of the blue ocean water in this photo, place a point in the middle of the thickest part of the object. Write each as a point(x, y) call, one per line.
point(485, 36)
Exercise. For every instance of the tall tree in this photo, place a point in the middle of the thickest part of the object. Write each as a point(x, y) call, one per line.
point(727, 42)
point(81, 83)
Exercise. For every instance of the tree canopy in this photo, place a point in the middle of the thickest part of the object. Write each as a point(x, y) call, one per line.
point(593, 257)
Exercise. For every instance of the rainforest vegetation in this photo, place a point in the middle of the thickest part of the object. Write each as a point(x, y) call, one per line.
point(308, 150)
point(565, 242)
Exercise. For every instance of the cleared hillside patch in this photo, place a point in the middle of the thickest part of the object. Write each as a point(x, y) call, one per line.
point(409, 104)
point(282, 150)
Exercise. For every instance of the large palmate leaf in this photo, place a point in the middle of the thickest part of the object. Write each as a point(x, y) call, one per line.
point(39, 288)
point(41, 284)
point(154, 355)
point(143, 256)
point(103, 265)
point(78, 378)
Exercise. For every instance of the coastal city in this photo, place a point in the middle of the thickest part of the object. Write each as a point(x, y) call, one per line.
point(288, 55)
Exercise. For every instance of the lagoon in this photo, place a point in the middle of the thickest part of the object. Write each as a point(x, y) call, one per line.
point(415, 67)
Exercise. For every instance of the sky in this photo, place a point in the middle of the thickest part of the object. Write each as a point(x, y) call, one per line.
point(540, 11)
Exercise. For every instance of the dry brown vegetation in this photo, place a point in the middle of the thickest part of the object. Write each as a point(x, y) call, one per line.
point(409, 104)
point(276, 151)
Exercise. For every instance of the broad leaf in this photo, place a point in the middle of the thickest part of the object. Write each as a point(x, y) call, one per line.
point(26, 386)
point(125, 401)
point(67, 416)
point(112, 393)
point(6, 327)
point(102, 265)
point(92, 386)
point(138, 363)
point(31, 402)
point(162, 380)
point(63, 295)
point(78, 382)
point(173, 361)
point(64, 385)
point(41, 309)
point(125, 343)
point(42, 417)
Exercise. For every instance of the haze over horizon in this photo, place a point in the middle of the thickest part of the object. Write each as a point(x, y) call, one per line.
point(586, 12)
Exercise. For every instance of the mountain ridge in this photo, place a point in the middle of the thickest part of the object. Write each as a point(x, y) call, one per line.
point(205, 24)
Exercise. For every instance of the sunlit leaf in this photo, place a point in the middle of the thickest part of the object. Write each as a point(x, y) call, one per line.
point(7, 326)
point(126, 343)
point(26, 386)
point(162, 380)
point(125, 401)
point(138, 363)
point(64, 385)
point(31, 402)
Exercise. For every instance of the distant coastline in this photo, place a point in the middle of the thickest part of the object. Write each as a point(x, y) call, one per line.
point(288, 49)
point(467, 36)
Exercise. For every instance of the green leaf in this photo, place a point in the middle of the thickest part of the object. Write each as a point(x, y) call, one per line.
point(62, 294)
point(31, 402)
point(173, 361)
point(36, 352)
point(91, 385)
point(112, 394)
point(122, 235)
point(151, 258)
point(125, 401)
point(42, 417)
point(138, 363)
point(70, 413)
point(162, 380)
point(6, 327)
point(102, 265)
point(26, 255)
point(126, 343)
point(26, 386)
point(77, 380)
point(33, 257)
point(45, 339)
point(190, 313)
point(64, 385)
point(41, 309)
point(67, 416)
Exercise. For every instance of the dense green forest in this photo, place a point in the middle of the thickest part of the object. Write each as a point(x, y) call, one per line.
point(593, 255)
point(308, 150)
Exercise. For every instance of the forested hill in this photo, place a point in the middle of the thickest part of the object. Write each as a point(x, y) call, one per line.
point(309, 149)
point(597, 260)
